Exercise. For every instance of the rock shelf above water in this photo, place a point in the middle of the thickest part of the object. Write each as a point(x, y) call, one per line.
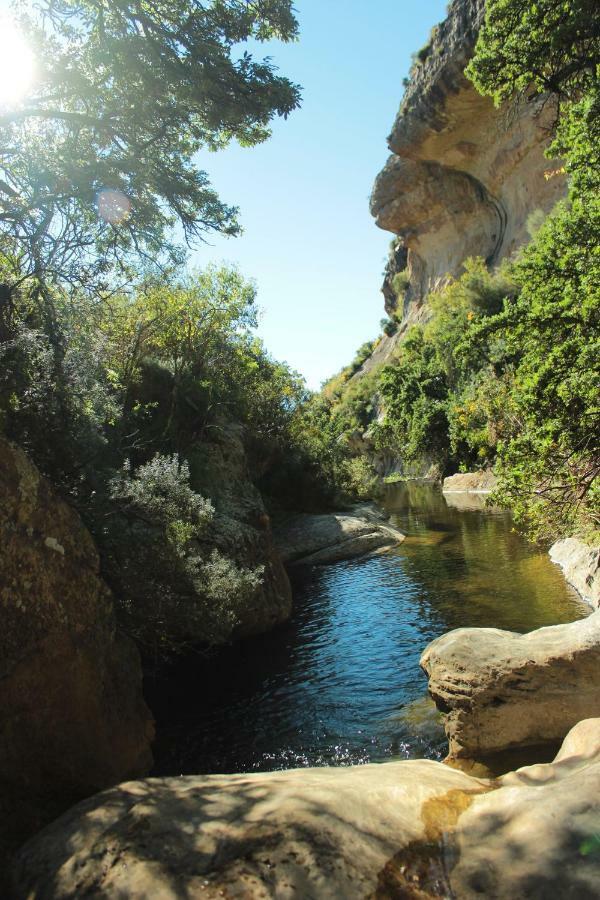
point(399, 829)
point(501, 690)
point(307, 539)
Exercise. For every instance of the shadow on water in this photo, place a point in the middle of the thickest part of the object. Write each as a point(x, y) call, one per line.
point(340, 683)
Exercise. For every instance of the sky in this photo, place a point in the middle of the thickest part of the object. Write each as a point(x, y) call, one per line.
point(309, 241)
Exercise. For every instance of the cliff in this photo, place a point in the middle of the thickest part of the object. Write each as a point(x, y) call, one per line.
point(72, 716)
point(464, 178)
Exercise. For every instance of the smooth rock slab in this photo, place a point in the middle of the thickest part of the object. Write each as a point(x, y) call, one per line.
point(538, 836)
point(581, 567)
point(305, 833)
point(501, 689)
point(307, 539)
point(482, 482)
point(414, 829)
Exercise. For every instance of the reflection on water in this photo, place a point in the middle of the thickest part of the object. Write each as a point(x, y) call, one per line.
point(340, 683)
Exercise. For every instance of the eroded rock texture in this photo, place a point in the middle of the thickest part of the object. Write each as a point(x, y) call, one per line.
point(413, 829)
point(501, 690)
point(72, 716)
point(463, 177)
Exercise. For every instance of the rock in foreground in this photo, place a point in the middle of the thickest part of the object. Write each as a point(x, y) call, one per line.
point(320, 539)
point(502, 690)
point(403, 829)
point(72, 716)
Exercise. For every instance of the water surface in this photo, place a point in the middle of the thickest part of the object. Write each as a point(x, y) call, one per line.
point(340, 683)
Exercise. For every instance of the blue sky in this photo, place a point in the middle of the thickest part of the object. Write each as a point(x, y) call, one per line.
point(309, 241)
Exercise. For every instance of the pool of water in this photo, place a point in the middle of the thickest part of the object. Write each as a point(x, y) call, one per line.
point(340, 683)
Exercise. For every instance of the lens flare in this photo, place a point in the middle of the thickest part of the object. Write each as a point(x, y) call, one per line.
point(17, 65)
point(113, 206)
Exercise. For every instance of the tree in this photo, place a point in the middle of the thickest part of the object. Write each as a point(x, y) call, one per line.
point(547, 45)
point(550, 465)
point(99, 163)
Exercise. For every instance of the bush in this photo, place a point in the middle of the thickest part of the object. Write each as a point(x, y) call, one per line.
point(400, 283)
point(174, 587)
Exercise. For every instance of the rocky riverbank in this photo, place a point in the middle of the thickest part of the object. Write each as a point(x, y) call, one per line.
point(581, 567)
point(399, 829)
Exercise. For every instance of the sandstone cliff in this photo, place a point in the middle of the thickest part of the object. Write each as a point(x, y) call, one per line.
point(464, 177)
point(72, 716)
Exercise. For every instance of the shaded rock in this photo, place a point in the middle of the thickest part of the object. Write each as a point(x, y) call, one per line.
point(72, 715)
point(240, 531)
point(221, 471)
point(482, 482)
point(581, 567)
point(537, 836)
point(501, 689)
point(414, 829)
point(322, 833)
point(307, 539)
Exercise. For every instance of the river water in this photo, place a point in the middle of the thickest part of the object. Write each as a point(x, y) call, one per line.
point(340, 683)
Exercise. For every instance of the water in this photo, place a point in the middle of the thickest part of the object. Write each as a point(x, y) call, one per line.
point(340, 683)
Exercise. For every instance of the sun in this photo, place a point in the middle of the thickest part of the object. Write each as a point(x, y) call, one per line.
point(17, 65)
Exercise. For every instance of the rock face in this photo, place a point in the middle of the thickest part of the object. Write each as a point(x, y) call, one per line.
point(72, 716)
point(502, 690)
point(537, 836)
point(240, 530)
point(307, 539)
point(463, 177)
point(581, 566)
point(483, 482)
point(244, 528)
point(413, 829)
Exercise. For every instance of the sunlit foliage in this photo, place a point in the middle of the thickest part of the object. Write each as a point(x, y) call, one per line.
point(99, 161)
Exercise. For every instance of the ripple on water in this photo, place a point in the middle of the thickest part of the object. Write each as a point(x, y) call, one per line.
point(340, 683)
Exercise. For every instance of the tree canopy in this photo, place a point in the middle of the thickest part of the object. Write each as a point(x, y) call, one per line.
point(546, 45)
point(99, 163)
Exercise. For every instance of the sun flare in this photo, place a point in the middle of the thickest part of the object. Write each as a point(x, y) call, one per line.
point(17, 65)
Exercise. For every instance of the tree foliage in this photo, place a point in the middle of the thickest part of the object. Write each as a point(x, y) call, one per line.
point(101, 160)
point(152, 383)
point(547, 45)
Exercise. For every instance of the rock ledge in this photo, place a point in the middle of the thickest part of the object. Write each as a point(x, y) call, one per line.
point(307, 539)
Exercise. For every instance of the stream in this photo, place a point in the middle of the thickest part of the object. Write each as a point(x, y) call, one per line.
point(340, 683)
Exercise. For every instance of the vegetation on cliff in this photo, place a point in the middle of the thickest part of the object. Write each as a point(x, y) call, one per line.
point(506, 371)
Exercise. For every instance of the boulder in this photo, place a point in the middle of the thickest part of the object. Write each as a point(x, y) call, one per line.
point(502, 690)
point(414, 829)
point(482, 482)
point(72, 716)
point(307, 539)
point(320, 833)
point(537, 835)
point(581, 567)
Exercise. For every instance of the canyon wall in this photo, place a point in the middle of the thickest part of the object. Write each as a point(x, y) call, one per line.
point(464, 178)
point(72, 716)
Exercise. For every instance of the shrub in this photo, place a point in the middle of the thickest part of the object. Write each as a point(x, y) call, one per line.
point(174, 587)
